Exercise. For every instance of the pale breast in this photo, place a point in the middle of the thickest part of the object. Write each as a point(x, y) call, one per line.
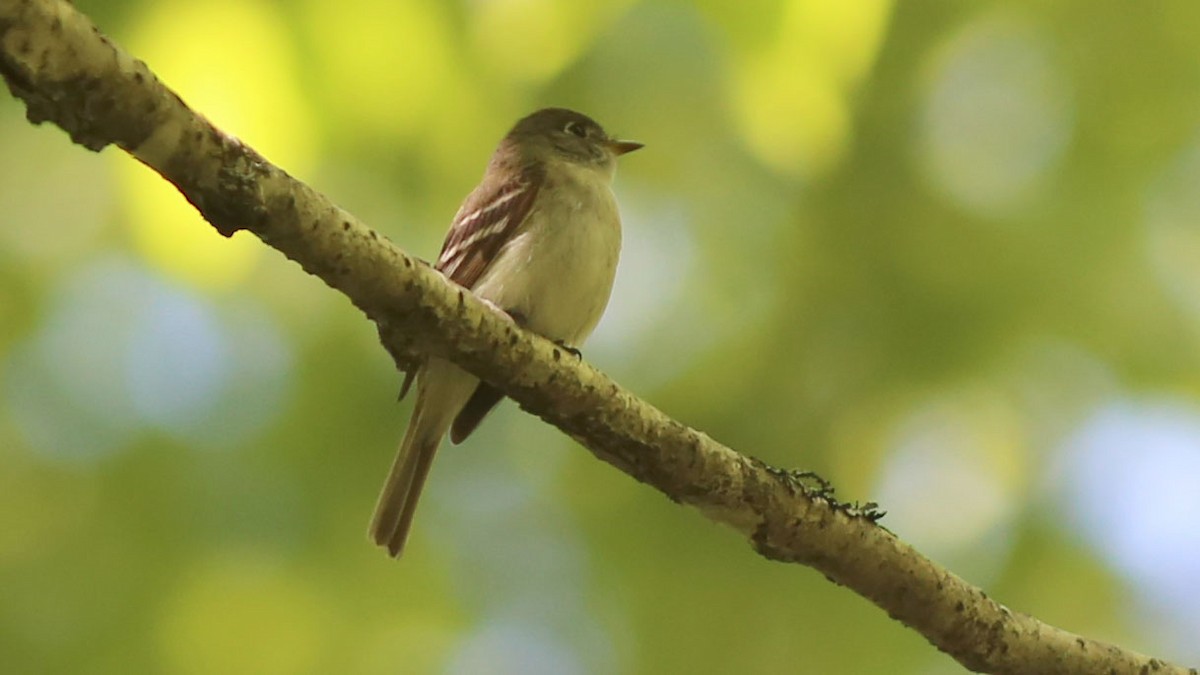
point(558, 272)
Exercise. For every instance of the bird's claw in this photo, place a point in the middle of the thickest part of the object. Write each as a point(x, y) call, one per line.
point(569, 349)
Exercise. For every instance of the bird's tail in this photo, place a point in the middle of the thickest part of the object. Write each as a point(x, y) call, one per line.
point(442, 389)
point(398, 500)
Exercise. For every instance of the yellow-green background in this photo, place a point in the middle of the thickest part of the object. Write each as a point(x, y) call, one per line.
point(947, 254)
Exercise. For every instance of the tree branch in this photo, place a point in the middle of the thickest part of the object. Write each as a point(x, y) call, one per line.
point(57, 62)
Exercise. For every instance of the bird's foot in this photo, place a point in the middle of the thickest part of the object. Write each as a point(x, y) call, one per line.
point(569, 349)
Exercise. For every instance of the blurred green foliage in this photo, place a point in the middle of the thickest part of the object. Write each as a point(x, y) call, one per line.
point(947, 254)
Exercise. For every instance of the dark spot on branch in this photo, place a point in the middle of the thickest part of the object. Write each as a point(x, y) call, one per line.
point(345, 225)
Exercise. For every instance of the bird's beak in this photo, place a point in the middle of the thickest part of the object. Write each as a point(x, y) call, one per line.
point(622, 147)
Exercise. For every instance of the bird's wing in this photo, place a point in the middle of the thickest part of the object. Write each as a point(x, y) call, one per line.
point(488, 218)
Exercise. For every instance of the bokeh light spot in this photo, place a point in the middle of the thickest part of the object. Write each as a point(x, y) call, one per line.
point(997, 117)
point(390, 64)
point(658, 252)
point(242, 85)
point(121, 351)
point(1172, 223)
point(504, 645)
point(952, 480)
point(1128, 480)
point(792, 93)
point(548, 34)
point(177, 357)
point(242, 613)
point(29, 199)
point(64, 383)
point(206, 375)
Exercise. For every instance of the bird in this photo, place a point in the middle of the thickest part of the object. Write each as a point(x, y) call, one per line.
point(539, 239)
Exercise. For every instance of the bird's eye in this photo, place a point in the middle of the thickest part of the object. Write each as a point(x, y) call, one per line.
point(575, 128)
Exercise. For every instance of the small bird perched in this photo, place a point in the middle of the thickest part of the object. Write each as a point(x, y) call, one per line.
point(539, 239)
